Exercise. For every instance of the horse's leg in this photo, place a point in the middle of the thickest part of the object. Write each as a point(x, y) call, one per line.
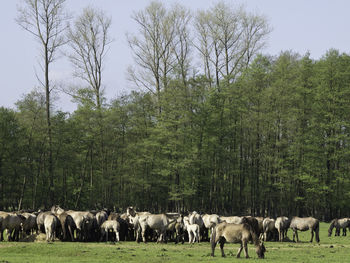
point(144, 235)
point(189, 237)
point(70, 233)
point(337, 232)
point(281, 234)
point(222, 243)
point(293, 235)
point(213, 245)
point(296, 234)
point(165, 237)
point(116, 235)
point(344, 231)
point(312, 234)
point(245, 247)
point(239, 251)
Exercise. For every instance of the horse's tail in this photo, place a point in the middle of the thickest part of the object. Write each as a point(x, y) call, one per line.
point(253, 234)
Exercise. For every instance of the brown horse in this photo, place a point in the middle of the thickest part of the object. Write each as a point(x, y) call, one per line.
point(236, 233)
point(338, 224)
point(304, 224)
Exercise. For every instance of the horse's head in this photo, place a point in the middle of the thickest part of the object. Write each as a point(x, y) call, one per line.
point(330, 229)
point(329, 232)
point(260, 250)
point(130, 211)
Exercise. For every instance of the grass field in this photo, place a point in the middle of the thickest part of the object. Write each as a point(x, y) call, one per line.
point(330, 249)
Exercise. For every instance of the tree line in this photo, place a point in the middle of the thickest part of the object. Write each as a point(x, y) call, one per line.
point(214, 125)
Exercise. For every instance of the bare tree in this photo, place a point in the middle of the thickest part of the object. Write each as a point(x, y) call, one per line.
point(204, 45)
point(152, 48)
point(181, 43)
point(47, 21)
point(89, 40)
point(228, 38)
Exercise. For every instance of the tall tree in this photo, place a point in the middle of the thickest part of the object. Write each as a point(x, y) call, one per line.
point(89, 39)
point(47, 21)
point(152, 48)
point(228, 38)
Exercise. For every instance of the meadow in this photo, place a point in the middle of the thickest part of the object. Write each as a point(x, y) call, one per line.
point(330, 249)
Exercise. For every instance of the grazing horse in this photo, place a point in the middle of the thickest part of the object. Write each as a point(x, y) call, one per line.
point(282, 224)
point(304, 224)
point(338, 224)
point(236, 233)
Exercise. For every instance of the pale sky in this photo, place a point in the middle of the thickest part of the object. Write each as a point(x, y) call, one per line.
point(298, 25)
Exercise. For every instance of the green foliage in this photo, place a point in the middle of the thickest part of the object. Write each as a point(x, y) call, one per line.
point(274, 141)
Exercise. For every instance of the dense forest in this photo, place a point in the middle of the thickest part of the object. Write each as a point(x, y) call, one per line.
point(213, 126)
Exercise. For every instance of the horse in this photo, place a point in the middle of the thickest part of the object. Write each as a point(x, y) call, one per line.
point(236, 233)
point(268, 228)
point(260, 222)
point(84, 222)
point(210, 221)
point(195, 218)
point(40, 220)
point(282, 224)
point(157, 222)
point(304, 224)
point(177, 228)
point(101, 216)
point(13, 223)
point(50, 223)
point(110, 225)
point(192, 230)
point(68, 226)
point(29, 225)
point(231, 219)
point(338, 224)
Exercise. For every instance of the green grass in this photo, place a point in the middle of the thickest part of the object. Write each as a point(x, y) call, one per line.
point(330, 249)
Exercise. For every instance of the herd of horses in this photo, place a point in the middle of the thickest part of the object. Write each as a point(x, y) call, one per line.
point(70, 225)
